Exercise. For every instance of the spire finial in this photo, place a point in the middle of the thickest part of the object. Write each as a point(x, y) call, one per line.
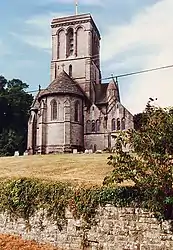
point(76, 7)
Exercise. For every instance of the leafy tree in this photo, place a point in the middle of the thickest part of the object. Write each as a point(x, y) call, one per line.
point(150, 162)
point(139, 119)
point(15, 104)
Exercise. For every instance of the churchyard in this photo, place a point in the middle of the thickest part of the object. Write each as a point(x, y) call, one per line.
point(89, 169)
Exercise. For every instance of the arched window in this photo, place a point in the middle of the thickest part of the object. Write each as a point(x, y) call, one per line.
point(123, 124)
point(97, 126)
point(118, 124)
point(80, 37)
point(61, 44)
point(70, 70)
point(93, 128)
point(105, 122)
point(53, 110)
point(113, 124)
point(88, 126)
point(70, 42)
point(76, 111)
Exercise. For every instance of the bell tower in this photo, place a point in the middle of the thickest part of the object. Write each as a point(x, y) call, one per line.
point(76, 46)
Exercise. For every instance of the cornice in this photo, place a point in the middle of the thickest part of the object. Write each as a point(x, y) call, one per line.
point(56, 25)
point(73, 20)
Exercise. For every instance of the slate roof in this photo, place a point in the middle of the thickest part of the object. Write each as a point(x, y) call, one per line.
point(35, 105)
point(101, 93)
point(63, 84)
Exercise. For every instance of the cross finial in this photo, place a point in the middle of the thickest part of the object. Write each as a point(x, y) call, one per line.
point(76, 7)
point(63, 65)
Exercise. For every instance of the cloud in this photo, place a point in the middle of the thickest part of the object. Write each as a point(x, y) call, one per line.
point(1, 47)
point(81, 2)
point(4, 50)
point(144, 42)
point(37, 31)
point(151, 28)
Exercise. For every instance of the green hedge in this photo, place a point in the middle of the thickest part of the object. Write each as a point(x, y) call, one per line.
point(21, 198)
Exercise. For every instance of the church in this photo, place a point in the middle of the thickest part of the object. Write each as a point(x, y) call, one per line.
point(76, 111)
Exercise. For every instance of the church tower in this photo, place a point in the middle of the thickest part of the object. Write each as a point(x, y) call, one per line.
point(76, 48)
point(76, 111)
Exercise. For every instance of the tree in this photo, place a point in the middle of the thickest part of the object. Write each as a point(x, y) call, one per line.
point(15, 104)
point(139, 119)
point(150, 164)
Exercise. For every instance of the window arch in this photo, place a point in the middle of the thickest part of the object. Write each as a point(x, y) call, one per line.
point(61, 44)
point(70, 70)
point(76, 111)
point(70, 42)
point(123, 123)
point(54, 110)
point(98, 126)
point(88, 126)
point(118, 124)
point(80, 45)
point(105, 123)
point(113, 124)
point(93, 128)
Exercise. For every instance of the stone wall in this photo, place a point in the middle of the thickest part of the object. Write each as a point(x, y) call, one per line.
point(116, 229)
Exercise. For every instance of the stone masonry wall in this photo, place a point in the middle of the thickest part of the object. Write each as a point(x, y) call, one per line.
point(116, 229)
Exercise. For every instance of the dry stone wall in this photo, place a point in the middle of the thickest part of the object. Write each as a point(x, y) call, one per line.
point(115, 229)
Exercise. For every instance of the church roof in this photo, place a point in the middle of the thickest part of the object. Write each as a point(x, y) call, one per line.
point(101, 93)
point(35, 104)
point(63, 84)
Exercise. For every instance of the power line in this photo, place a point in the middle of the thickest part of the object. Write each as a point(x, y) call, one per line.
point(139, 72)
point(127, 74)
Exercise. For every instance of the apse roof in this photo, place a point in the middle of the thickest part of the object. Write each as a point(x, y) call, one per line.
point(63, 84)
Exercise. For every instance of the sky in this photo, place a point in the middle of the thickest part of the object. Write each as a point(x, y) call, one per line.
point(135, 35)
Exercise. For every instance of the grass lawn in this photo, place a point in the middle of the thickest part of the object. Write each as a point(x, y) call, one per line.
point(78, 169)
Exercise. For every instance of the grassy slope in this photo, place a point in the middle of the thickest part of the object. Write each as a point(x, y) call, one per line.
point(79, 169)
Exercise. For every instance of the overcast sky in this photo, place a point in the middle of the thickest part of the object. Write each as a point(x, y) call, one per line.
point(136, 35)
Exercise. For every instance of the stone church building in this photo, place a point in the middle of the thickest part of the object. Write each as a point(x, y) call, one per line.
point(76, 111)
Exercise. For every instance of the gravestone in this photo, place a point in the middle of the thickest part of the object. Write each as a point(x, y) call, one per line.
point(74, 151)
point(99, 152)
point(90, 151)
point(16, 153)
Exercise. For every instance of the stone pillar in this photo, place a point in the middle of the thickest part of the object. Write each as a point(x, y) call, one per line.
point(66, 44)
point(67, 127)
point(75, 43)
point(42, 128)
point(52, 71)
point(32, 136)
point(89, 45)
point(29, 139)
point(54, 47)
